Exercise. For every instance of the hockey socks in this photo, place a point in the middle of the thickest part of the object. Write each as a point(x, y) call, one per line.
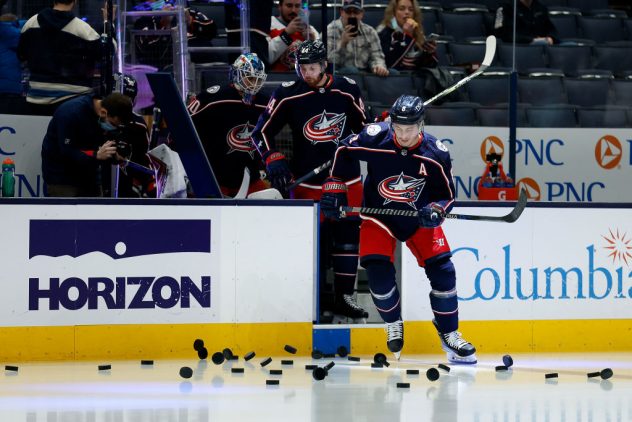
point(443, 299)
point(384, 289)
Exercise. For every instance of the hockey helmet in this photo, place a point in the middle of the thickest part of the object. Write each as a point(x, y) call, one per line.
point(407, 110)
point(248, 73)
point(126, 85)
point(311, 52)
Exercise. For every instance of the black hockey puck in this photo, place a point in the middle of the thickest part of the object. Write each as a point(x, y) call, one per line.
point(319, 373)
point(272, 382)
point(412, 372)
point(317, 354)
point(444, 367)
point(249, 356)
point(265, 362)
point(186, 372)
point(329, 355)
point(228, 354)
point(403, 385)
point(234, 357)
point(379, 358)
point(198, 344)
point(501, 368)
point(507, 361)
point(276, 371)
point(376, 365)
point(311, 367)
point(146, 362)
point(290, 349)
point(105, 367)
point(11, 368)
point(550, 375)
point(432, 374)
point(606, 373)
point(202, 353)
point(287, 362)
point(237, 370)
point(593, 374)
point(342, 351)
point(353, 358)
point(217, 358)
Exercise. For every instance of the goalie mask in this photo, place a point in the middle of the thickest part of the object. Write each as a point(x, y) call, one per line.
point(248, 74)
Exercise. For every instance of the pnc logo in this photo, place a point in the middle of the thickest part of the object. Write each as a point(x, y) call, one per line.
point(491, 145)
point(608, 152)
point(531, 187)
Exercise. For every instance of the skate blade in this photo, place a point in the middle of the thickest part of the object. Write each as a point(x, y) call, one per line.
point(397, 355)
point(461, 360)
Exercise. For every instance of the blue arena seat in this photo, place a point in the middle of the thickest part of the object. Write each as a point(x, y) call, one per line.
point(489, 90)
point(541, 91)
point(607, 117)
point(558, 116)
point(602, 29)
point(462, 25)
point(617, 59)
point(527, 56)
point(385, 90)
point(586, 92)
point(565, 21)
point(586, 5)
point(499, 116)
point(430, 19)
point(622, 92)
point(569, 58)
point(373, 14)
point(463, 53)
point(452, 114)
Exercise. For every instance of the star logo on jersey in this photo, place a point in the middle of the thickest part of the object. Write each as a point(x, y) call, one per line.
point(239, 139)
point(608, 152)
point(325, 127)
point(401, 188)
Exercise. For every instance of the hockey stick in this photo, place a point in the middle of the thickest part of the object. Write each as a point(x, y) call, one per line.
point(245, 183)
point(309, 175)
point(155, 127)
point(509, 218)
point(490, 51)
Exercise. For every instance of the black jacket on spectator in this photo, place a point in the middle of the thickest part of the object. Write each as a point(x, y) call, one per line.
point(61, 52)
point(531, 22)
point(401, 52)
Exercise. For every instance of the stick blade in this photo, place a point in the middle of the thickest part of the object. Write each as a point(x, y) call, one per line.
point(519, 208)
point(490, 50)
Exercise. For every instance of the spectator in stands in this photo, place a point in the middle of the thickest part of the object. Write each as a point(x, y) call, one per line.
point(11, 100)
point(287, 31)
point(402, 37)
point(354, 47)
point(80, 141)
point(533, 25)
point(61, 52)
point(156, 50)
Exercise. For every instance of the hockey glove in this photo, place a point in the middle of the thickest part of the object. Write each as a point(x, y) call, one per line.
point(278, 171)
point(334, 196)
point(432, 215)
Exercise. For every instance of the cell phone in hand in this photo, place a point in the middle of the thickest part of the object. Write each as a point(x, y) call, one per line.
point(432, 37)
point(353, 21)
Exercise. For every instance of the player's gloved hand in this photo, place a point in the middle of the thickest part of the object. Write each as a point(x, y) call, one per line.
point(432, 215)
point(334, 196)
point(278, 171)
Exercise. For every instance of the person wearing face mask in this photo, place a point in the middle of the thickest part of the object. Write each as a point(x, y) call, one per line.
point(408, 169)
point(402, 37)
point(81, 139)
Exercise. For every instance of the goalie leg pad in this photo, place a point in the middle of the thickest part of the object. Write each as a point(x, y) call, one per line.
point(384, 289)
point(443, 299)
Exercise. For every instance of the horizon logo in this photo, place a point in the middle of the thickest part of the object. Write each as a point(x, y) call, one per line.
point(608, 152)
point(492, 145)
point(118, 239)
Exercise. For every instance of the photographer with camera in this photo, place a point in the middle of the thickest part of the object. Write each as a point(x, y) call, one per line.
point(352, 45)
point(85, 135)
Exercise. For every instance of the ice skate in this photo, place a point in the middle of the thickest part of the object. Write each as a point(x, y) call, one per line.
point(347, 310)
point(395, 337)
point(456, 347)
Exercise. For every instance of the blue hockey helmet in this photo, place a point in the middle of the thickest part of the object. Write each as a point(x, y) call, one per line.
point(248, 73)
point(407, 110)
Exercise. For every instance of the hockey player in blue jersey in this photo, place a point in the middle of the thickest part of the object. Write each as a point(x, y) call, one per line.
point(407, 169)
point(225, 116)
point(321, 110)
